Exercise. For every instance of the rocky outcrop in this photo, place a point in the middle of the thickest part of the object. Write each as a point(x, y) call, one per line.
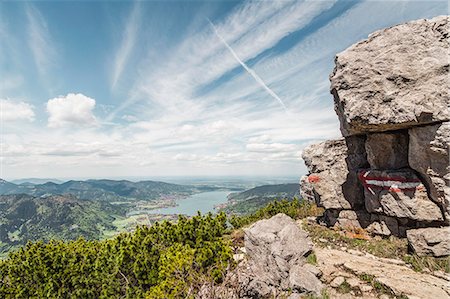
point(390, 173)
point(339, 267)
point(276, 250)
point(434, 241)
point(274, 265)
point(396, 79)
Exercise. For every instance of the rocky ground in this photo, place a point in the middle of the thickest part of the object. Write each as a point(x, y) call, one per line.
point(354, 274)
point(279, 259)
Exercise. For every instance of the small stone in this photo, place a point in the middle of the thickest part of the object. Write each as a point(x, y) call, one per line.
point(312, 269)
point(365, 288)
point(238, 257)
point(353, 282)
point(337, 281)
point(323, 240)
point(355, 252)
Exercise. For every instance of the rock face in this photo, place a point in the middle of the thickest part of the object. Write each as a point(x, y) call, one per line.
point(396, 79)
point(390, 173)
point(434, 241)
point(339, 266)
point(276, 250)
point(275, 264)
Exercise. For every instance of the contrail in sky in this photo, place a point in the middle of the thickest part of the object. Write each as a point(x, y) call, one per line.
point(249, 70)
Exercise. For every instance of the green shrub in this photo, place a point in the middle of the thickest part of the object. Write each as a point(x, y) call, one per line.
point(166, 260)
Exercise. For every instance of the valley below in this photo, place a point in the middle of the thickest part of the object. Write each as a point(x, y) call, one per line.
point(102, 209)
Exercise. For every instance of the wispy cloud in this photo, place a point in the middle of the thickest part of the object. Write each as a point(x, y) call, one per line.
point(251, 29)
point(39, 40)
point(252, 73)
point(127, 44)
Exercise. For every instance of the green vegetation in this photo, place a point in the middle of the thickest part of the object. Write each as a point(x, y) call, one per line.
point(166, 260)
point(312, 259)
point(344, 288)
point(251, 200)
point(295, 209)
point(107, 190)
point(25, 218)
point(323, 295)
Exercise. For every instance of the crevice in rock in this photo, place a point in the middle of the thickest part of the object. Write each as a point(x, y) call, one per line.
point(428, 186)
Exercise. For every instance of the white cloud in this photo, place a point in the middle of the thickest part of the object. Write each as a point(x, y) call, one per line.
point(13, 111)
point(72, 109)
point(260, 139)
point(271, 147)
point(39, 40)
point(127, 44)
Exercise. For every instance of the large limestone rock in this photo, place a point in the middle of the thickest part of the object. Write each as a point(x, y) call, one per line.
point(392, 98)
point(387, 150)
point(431, 240)
point(395, 79)
point(276, 250)
point(398, 193)
point(332, 179)
point(328, 172)
point(429, 156)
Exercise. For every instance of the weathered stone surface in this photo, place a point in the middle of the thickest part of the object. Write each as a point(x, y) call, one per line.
point(396, 79)
point(353, 219)
point(276, 250)
point(328, 172)
point(387, 150)
point(306, 190)
point(402, 280)
point(429, 155)
point(430, 241)
point(383, 225)
point(333, 185)
point(304, 281)
point(400, 194)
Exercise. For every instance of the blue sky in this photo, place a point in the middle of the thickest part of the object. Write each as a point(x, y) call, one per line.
point(122, 88)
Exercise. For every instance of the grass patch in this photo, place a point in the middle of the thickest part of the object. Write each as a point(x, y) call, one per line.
point(420, 263)
point(312, 259)
point(344, 288)
point(323, 295)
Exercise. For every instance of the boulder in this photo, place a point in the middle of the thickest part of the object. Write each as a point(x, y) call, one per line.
point(396, 79)
point(398, 193)
point(391, 96)
point(430, 241)
point(276, 259)
point(429, 156)
point(332, 178)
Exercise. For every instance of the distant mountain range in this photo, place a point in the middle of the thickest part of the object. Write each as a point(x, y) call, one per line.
point(36, 181)
point(106, 190)
point(250, 200)
point(26, 218)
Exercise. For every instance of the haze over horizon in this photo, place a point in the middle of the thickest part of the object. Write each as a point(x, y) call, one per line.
point(153, 89)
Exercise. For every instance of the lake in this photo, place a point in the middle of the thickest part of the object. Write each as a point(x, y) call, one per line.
point(203, 202)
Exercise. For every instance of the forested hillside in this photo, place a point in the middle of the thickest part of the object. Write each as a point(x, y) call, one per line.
point(24, 218)
point(166, 260)
point(109, 190)
point(253, 199)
